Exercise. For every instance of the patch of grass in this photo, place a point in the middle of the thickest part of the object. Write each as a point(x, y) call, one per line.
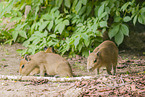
point(3, 59)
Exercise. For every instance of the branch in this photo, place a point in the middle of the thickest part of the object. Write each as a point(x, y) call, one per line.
point(50, 79)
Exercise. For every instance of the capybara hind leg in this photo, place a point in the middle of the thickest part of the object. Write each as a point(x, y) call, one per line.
point(64, 71)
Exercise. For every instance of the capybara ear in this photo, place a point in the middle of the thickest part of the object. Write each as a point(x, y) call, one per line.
point(49, 50)
point(27, 58)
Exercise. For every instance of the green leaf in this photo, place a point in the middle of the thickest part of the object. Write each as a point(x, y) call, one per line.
point(57, 21)
point(101, 9)
point(124, 6)
point(134, 20)
point(82, 10)
point(61, 27)
point(78, 6)
point(76, 42)
point(117, 19)
point(67, 3)
point(80, 46)
point(84, 2)
point(142, 10)
point(36, 41)
point(15, 35)
point(119, 38)
point(58, 2)
point(103, 24)
point(126, 19)
point(103, 15)
point(66, 22)
point(74, 3)
point(86, 39)
point(26, 43)
point(50, 25)
point(19, 26)
point(43, 25)
point(16, 19)
point(22, 33)
point(124, 29)
point(141, 19)
point(7, 8)
point(113, 31)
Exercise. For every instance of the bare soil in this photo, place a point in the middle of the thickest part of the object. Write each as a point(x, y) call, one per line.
point(129, 65)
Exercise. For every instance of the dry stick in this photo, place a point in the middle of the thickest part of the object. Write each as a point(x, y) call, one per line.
point(51, 79)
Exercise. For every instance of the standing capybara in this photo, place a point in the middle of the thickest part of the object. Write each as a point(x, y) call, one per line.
point(106, 54)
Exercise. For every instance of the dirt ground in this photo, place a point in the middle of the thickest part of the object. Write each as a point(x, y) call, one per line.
point(128, 64)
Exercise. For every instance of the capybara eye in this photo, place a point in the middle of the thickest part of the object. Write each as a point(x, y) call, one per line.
point(95, 61)
point(22, 66)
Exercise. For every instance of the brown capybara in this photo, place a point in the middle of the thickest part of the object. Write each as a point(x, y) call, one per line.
point(35, 70)
point(52, 64)
point(106, 54)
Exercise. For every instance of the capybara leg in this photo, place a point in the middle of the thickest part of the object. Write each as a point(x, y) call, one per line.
point(97, 71)
point(108, 67)
point(42, 70)
point(114, 69)
point(35, 71)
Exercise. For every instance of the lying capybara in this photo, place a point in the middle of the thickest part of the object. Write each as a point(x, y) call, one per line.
point(52, 64)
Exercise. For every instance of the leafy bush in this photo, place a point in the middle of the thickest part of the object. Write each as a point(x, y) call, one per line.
point(74, 26)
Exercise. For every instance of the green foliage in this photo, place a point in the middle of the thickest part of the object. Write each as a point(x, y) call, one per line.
point(73, 26)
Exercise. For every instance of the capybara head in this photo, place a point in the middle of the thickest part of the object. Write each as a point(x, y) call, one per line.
point(93, 60)
point(26, 66)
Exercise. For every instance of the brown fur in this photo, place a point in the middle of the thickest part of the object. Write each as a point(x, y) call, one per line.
point(104, 55)
point(52, 64)
point(36, 70)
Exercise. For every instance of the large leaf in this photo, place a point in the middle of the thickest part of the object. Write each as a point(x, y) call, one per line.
point(134, 20)
point(117, 19)
point(101, 10)
point(86, 39)
point(50, 25)
point(124, 7)
point(142, 10)
point(103, 24)
point(141, 19)
point(66, 22)
point(78, 6)
point(84, 2)
point(76, 42)
point(119, 38)
point(58, 2)
point(113, 31)
point(127, 19)
point(61, 27)
point(7, 8)
point(43, 25)
point(22, 33)
point(124, 29)
point(15, 35)
point(67, 3)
